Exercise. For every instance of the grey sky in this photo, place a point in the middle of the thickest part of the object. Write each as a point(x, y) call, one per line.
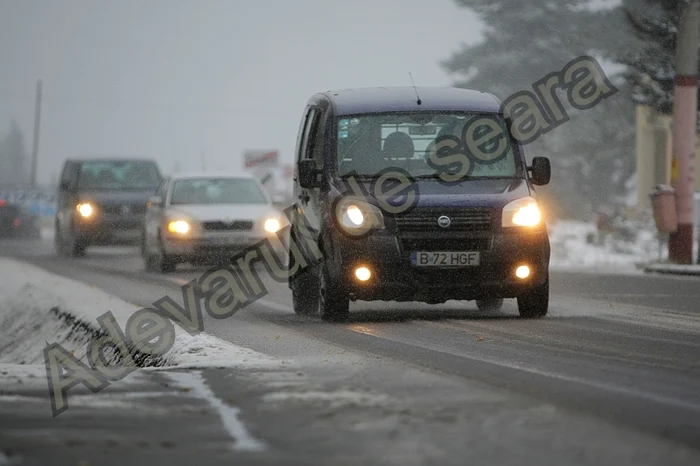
point(175, 79)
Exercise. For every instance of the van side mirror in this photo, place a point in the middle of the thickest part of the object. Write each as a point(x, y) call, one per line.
point(541, 170)
point(308, 174)
point(155, 201)
point(65, 186)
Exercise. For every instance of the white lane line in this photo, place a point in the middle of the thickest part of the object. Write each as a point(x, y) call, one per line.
point(553, 375)
point(229, 415)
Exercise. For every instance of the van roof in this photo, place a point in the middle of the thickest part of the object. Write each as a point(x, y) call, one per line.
point(401, 99)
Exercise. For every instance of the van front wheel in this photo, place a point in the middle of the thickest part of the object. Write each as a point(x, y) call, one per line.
point(333, 301)
point(535, 302)
point(305, 293)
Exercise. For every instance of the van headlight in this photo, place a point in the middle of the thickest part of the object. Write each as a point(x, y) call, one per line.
point(356, 216)
point(522, 213)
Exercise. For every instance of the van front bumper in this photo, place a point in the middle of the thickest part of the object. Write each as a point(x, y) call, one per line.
point(394, 278)
point(109, 229)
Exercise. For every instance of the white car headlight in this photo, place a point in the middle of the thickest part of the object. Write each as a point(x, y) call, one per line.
point(272, 225)
point(522, 213)
point(179, 226)
point(356, 215)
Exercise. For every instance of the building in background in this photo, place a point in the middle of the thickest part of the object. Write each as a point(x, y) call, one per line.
point(654, 150)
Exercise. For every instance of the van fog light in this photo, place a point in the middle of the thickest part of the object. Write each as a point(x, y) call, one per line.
point(522, 272)
point(363, 274)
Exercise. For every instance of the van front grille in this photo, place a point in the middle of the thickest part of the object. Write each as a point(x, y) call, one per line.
point(425, 219)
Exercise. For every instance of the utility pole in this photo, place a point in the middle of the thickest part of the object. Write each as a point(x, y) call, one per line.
point(37, 126)
point(680, 248)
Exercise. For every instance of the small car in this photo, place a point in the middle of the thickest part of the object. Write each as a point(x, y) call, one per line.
point(16, 221)
point(203, 218)
point(473, 229)
point(102, 202)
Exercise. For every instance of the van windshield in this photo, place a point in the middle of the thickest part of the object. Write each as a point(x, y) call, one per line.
point(119, 175)
point(425, 144)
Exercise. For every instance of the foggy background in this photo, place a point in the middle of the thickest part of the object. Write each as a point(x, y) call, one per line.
point(183, 80)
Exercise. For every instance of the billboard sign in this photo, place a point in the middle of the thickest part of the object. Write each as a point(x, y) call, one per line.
point(261, 158)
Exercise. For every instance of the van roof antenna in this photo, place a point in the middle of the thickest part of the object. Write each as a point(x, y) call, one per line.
point(418, 101)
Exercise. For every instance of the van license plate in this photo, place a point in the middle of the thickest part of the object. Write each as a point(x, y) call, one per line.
point(445, 259)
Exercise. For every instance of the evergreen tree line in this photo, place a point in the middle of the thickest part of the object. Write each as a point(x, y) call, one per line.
point(593, 154)
point(14, 158)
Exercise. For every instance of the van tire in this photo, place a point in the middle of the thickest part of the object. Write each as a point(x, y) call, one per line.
point(535, 302)
point(333, 301)
point(304, 286)
point(305, 293)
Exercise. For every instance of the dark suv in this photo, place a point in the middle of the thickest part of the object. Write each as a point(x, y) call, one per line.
point(103, 202)
point(407, 194)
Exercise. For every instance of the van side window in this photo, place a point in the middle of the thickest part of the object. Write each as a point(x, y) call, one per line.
point(317, 131)
point(302, 132)
point(307, 141)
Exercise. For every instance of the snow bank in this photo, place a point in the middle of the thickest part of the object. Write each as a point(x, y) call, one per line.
point(571, 248)
point(38, 307)
point(674, 269)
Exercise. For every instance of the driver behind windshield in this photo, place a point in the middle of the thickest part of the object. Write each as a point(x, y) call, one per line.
point(370, 144)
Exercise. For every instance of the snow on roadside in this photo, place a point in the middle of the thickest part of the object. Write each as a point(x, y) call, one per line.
point(571, 250)
point(47, 233)
point(38, 307)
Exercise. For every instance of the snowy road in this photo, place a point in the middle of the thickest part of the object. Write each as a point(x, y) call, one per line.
point(611, 376)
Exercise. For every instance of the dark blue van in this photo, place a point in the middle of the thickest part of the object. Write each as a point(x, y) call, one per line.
point(415, 194)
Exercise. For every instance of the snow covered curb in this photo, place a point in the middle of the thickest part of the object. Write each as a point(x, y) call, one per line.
point(38, 307)
point(572, 251)
point(673, 269)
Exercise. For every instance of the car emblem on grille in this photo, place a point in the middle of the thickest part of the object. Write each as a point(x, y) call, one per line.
point(444, 221)
point(126, 210)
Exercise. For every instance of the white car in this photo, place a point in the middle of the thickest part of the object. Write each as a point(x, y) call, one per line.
point(204, 218)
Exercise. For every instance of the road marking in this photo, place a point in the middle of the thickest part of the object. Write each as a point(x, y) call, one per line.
point(229, 415)
point(544, 373)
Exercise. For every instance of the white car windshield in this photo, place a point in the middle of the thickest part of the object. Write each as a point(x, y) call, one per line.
point(217, 191)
